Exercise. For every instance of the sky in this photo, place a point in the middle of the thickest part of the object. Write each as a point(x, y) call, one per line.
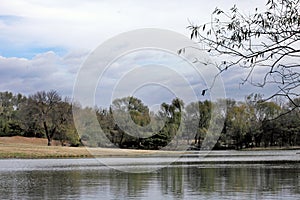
point(44, 44)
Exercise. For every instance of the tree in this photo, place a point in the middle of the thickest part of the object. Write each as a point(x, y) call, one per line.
point(171, 113)
point(9, 113)
point(131, 115)
point(106, 121)
point(239, 124)
point(199, 116)
point(261, 112)
point(191, 118)
point(46, 108)
point(66, 131)
point(87, 126)
point(268, 40)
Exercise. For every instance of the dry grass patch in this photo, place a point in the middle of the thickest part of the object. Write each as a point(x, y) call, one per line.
point(22, 147)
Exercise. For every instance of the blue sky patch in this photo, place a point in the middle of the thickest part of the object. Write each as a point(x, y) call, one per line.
point(10, 19)
point(9, 50)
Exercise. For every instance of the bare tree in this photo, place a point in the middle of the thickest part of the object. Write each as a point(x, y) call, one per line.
point(46, 108)
point(267, 40)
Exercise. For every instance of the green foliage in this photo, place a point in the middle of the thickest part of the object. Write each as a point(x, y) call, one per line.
point(254, 122)
point(9, 108)
point(41, 114)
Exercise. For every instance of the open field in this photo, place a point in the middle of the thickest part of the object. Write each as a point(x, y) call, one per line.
point(22, 147)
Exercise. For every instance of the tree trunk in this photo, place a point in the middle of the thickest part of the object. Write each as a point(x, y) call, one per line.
point(121, 139)
point(49, 142)
point(196, 139)
point(47, 133)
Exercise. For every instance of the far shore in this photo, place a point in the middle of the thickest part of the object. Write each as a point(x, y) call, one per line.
point(30, 148)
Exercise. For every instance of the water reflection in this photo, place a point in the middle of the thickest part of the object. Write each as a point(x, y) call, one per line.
point(174, 182)
point(258, 182)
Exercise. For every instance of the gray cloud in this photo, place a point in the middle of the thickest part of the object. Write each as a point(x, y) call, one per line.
point(44, 72)
point(50, 71)
point(80, 26)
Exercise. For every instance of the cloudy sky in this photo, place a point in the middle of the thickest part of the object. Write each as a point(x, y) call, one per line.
point(45, 43)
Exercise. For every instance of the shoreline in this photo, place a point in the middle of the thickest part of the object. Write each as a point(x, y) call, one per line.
point(35, 148)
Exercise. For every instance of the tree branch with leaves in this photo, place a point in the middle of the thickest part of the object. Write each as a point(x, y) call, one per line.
point(268, 41)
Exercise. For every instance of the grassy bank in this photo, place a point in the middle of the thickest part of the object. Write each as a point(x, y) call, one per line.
point(22, 147)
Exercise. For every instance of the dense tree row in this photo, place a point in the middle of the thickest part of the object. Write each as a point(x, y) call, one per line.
point(43, 114)
point(128, 122)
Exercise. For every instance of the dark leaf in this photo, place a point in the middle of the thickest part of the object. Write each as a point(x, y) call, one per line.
point(203, 92)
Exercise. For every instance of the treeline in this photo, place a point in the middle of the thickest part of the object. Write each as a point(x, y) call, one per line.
point(128, 122)
point(42, 115)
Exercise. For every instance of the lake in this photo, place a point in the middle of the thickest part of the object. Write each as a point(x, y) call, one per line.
point(226, 175)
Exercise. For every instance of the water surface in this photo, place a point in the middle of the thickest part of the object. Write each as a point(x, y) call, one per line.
point(190, 177)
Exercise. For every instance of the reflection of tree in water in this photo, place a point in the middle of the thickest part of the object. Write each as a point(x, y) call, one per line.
point(242, 179)
point(129, 184)
point(39, 184)
point(170, 182)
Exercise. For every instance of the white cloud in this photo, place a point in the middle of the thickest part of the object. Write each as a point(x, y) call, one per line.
point(79, 26)
point(85, 24)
